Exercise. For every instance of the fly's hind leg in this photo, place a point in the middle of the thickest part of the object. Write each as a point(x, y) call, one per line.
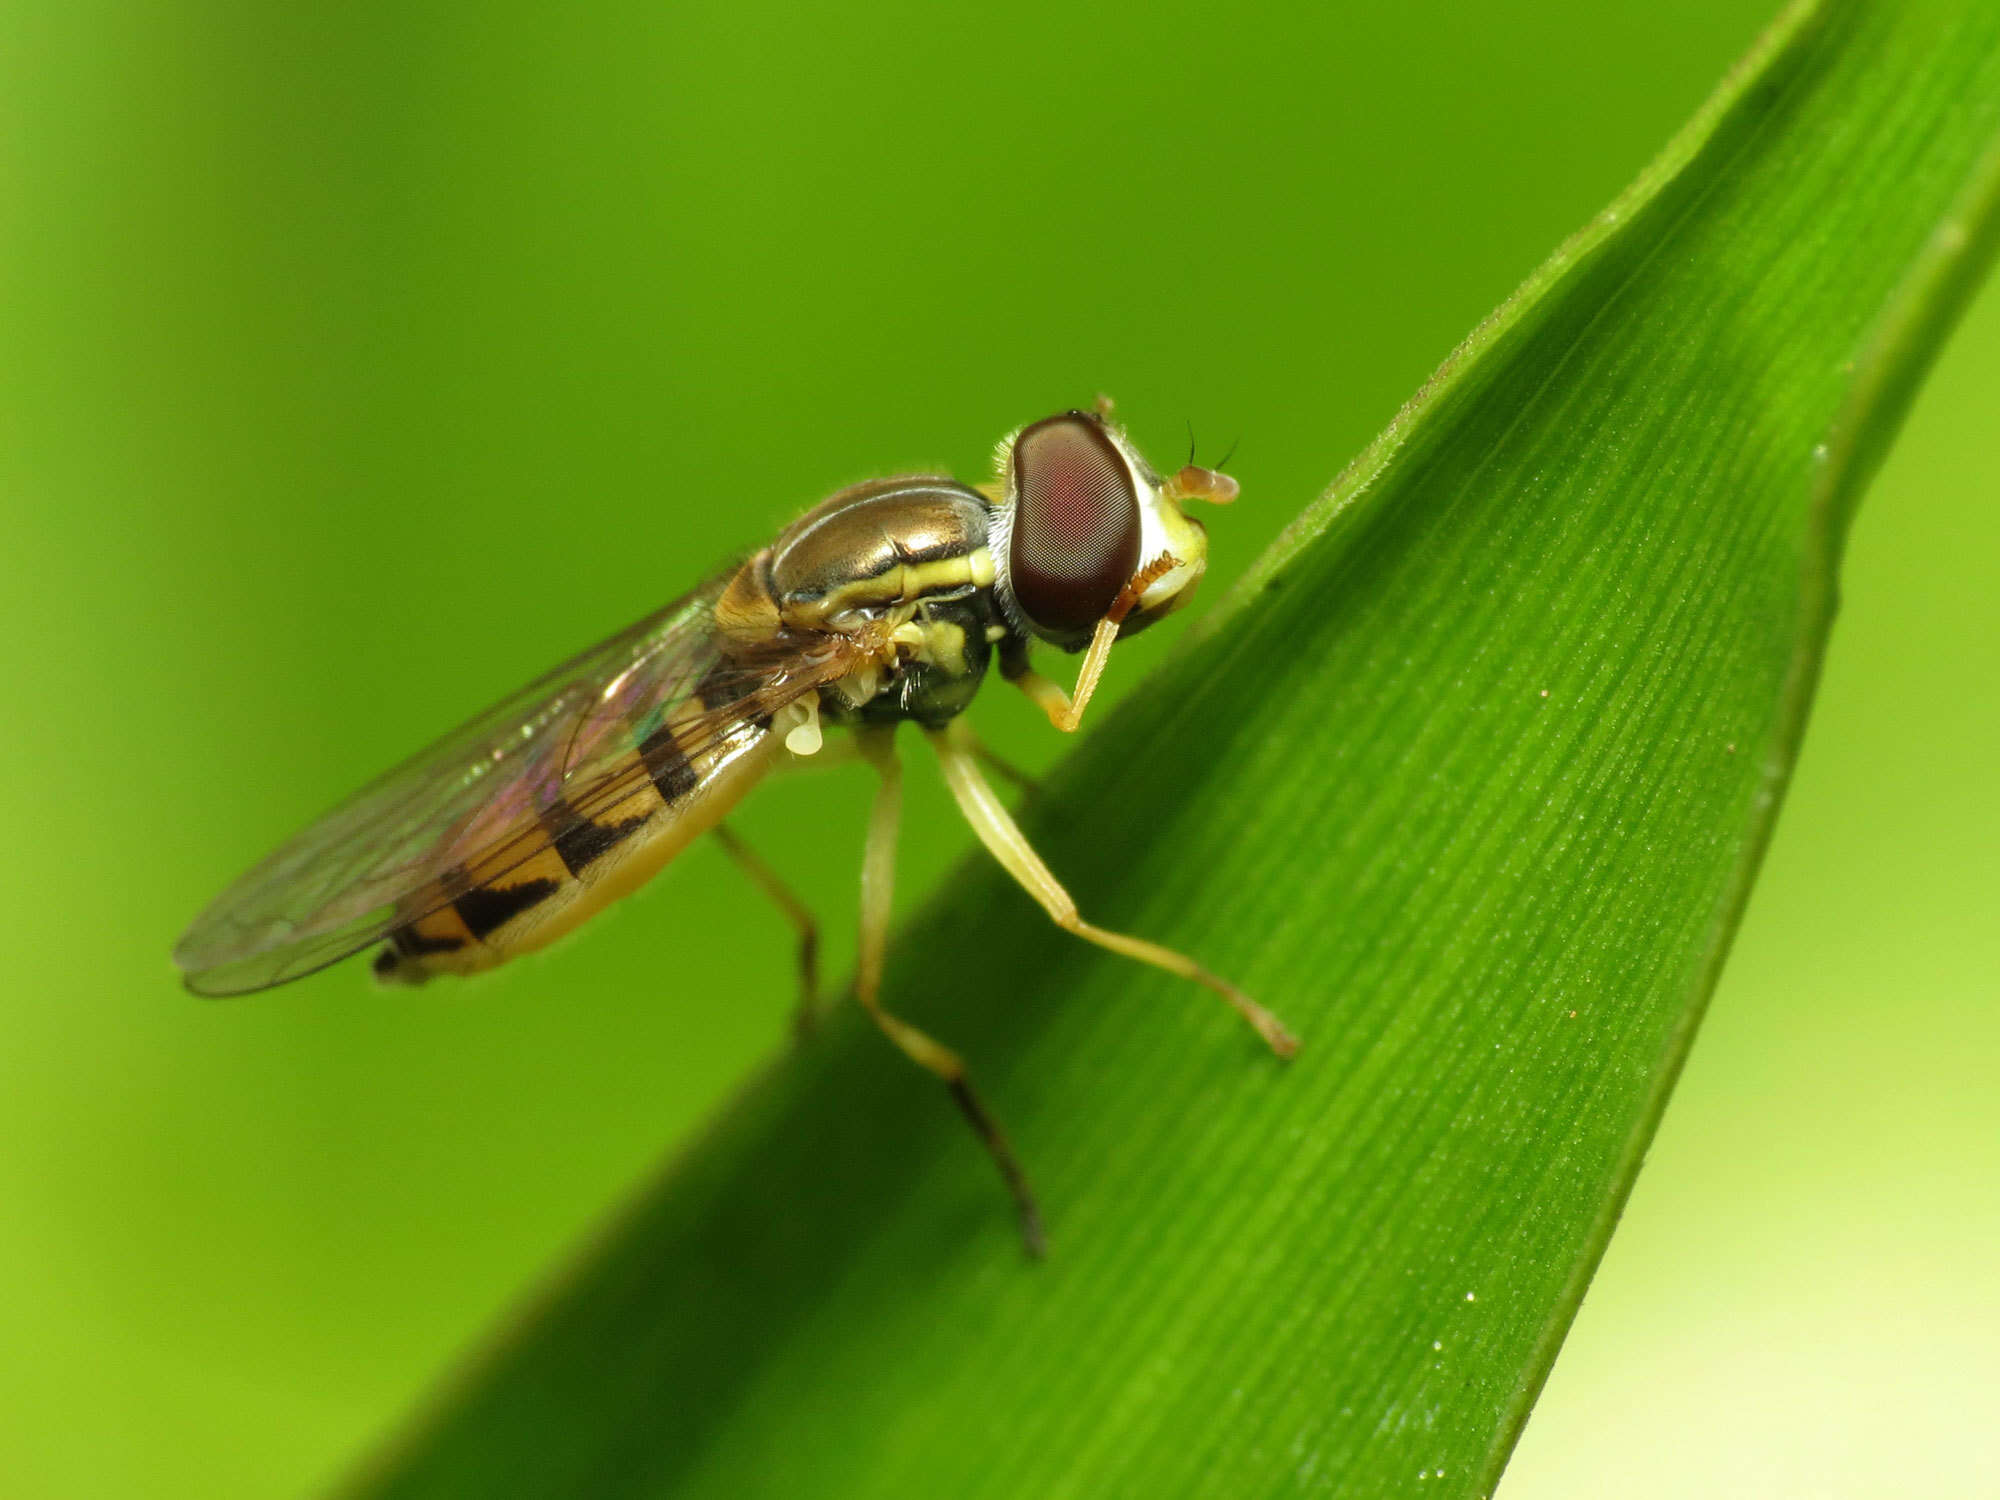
point(1005, 841)
point(796, 912)
point(878, 884)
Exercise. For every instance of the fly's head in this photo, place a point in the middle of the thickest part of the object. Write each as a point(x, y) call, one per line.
point(1085, 527)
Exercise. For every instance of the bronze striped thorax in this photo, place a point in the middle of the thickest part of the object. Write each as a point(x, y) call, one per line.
point(904, 559)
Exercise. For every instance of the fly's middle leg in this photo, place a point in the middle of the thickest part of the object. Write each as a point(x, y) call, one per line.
point(878, 877)
point(772, 884)
point(1003, 838)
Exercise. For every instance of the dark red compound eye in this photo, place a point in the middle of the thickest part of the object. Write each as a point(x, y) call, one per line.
point(1076, 525)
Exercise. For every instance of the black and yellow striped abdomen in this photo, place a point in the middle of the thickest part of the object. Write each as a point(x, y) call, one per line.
point(678, 793)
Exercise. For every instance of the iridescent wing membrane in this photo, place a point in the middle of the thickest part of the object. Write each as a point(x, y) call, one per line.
point(494, 792)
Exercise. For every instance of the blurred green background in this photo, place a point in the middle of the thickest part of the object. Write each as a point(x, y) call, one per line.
point(361, 361)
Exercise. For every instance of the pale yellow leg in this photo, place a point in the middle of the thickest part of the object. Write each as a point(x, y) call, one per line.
point(1004, 839)
point(796, 912)
point(878, 884)
point(1065, 710)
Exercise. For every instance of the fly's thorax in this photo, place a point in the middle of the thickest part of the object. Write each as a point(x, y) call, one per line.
point(903, 562)
point(876, 547)
point(860, 557)
point(1080, 512)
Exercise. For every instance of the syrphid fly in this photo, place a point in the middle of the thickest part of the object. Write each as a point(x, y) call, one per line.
point(883, 604)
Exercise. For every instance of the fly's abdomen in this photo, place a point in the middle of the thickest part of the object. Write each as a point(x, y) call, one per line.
point(678, 791)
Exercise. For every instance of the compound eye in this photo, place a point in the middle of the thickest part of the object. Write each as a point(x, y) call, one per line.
point(1076, 525)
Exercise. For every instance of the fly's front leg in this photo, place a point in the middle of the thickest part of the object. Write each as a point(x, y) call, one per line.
point(1005, 841)
point(1065, 710)
point(796, 912)
point(878, 885)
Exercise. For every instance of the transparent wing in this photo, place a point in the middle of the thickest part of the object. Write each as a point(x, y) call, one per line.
point(494, 792)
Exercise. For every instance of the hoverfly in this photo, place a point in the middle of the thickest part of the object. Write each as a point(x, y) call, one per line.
point(884, 604)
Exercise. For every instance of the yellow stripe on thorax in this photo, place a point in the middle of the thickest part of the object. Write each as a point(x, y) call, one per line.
point(902, 584)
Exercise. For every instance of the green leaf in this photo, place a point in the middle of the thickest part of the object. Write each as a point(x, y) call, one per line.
point(1468, 779)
